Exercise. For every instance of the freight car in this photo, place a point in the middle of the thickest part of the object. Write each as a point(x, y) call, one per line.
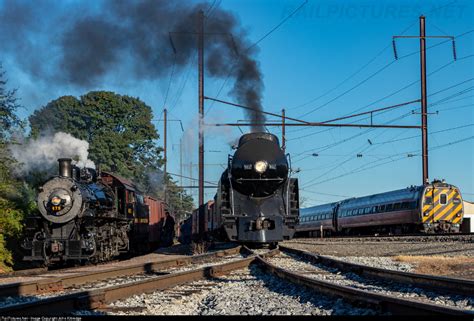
point(89, 217)
point(430, 208)
point(257, 200)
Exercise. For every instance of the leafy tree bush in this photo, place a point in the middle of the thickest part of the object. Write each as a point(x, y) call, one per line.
point(15, 196)
point(121, 138)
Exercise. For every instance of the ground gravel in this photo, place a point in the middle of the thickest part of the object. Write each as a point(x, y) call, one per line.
point(12, 300)
point(245, 292)
point(319, 271)
point(380, 247)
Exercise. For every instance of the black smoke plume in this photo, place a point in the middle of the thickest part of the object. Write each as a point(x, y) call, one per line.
point(81, 43)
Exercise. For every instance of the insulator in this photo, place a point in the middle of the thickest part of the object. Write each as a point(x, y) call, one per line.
point(394, 49)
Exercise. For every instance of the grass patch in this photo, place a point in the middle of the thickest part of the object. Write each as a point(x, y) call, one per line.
point(439, 265)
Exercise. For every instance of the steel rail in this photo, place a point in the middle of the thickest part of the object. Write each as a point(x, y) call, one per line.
point(99, 298)
point(57, 283)
point(438, 283)
point(397, 306)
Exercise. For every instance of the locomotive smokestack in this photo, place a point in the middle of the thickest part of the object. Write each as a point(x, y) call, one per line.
point(65, 167)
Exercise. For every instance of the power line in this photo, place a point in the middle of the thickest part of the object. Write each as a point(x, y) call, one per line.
point(234, 63)
point(350, 158)
point(396, 92)
point(458, 107)
point(347, 160)
point(416, 136)
point(357, 72)
point(364, 168)
point(328, 146)
point(386, 66)
point(169, 84)
point(322, 193)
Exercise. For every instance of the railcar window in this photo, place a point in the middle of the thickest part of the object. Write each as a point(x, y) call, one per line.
point(404, 205)
point(367, 210)
point(361, 211)
point(443, 199)
point(389, 207)
point(382, 208)
point(374, 209)
point(396, 206)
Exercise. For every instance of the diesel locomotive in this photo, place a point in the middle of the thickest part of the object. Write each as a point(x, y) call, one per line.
point(257, 200)
point(89, 217)
point(430, 208)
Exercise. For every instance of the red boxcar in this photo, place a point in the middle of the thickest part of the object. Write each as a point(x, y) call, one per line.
point(157, 210)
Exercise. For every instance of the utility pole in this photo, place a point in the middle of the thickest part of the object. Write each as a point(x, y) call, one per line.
point(283, 135)
point(201, 105)
point(424, 96)
point(191, 180)
point(200, 46)
point(165, 151)
point(424, 101)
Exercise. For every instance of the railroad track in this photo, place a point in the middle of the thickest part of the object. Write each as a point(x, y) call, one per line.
point(100, 299)
point(438, 283)
point(462, 237)
point(387, 303)
point(74, 279)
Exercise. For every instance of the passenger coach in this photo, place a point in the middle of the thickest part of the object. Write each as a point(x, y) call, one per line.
point(431, 208)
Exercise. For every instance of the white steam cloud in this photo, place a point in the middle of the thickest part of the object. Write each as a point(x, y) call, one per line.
point(42, 154)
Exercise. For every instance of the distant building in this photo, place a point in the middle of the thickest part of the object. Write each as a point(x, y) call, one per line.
point(468, 220)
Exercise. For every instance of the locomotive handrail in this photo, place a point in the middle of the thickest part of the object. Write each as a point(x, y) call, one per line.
point(261, 179)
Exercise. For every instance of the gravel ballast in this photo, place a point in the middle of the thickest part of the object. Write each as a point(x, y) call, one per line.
point(318, 271)
point(245, 292)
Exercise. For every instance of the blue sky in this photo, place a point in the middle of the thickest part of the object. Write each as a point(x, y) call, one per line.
point(330, 57)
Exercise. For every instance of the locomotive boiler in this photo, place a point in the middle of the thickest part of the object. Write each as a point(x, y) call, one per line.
point(257, 200)
point(88, 217)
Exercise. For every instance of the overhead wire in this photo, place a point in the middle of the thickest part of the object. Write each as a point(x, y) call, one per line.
point(237, 59)
point(386, 66)
point(363, 168)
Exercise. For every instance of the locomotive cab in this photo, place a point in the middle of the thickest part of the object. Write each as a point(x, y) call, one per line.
point(441, 208)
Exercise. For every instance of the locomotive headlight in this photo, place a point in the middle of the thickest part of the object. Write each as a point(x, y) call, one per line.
point(56, 200)
point(261, 166)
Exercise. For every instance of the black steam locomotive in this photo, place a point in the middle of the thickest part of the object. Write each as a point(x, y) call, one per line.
point(256, 201)
point(90, 218)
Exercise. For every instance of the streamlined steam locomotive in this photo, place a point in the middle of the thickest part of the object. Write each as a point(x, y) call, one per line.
point(257, 201)
point(93, 218)
point(430, 208)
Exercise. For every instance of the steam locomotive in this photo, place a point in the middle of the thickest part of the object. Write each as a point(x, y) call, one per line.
point(86, 217)
point(430, 208)
point(256, 202)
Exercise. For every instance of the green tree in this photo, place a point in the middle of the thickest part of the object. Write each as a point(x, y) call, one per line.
point(120, 133)
point(15, 196)
point(8, 106)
